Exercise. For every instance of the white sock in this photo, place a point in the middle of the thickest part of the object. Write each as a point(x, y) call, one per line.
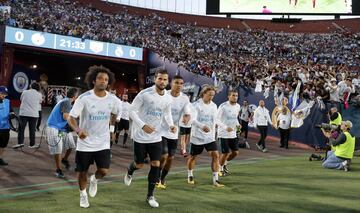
point(221, 168)
point(94, 177)
point(190, 173)
point(83, 192)
point(226, 162)
point(215, 176)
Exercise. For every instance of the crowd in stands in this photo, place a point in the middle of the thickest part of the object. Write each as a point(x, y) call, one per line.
point(237, 58)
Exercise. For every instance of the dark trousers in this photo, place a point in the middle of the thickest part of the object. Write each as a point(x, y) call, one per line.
point(263, 133)
point(23, 120)
point(284, 137)
point(38, 123)
point(245, 128)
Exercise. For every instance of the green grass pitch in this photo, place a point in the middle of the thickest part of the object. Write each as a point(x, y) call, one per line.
point(290, 184)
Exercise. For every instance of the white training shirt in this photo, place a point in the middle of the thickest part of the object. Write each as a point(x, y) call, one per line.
point(125, 110)
point(227, 117)
point(152, 109)
point(204, 115)
point(261, 117)
point(119, 106)
point(284, 120)
point(94, 113)
point(179, 106)
point(181, 123)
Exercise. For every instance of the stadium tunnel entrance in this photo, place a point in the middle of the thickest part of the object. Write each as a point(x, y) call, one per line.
point(58, 72)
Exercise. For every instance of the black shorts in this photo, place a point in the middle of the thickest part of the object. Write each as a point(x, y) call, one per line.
point(4, 137)
point(83, 160)
point(142, 150)
point(244, 126)
point(229, 143)
point(169, 146)
point(123, 124)
point(197, 149)
point(185, 130)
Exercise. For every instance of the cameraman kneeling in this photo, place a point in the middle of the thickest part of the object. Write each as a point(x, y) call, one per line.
point(344, 144)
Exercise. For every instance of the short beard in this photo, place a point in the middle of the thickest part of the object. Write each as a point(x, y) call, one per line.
point(158, 87)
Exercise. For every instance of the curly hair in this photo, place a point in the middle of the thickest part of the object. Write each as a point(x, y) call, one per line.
point(94, 70)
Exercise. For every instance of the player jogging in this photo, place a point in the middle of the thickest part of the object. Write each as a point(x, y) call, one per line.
point(180, 105)
point(95, 109)
point(150, 108)
point(203, 134)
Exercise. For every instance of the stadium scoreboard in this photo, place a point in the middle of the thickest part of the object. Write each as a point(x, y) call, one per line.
point(71, 44)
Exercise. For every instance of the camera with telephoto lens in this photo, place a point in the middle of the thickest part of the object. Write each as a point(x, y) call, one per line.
point(327, 127)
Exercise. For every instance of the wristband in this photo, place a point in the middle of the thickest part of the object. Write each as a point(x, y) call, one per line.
point(112, 128)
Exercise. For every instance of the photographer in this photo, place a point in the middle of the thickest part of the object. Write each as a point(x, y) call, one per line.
point(335, 120)
point(344, 148)
point(332, 128)
point(334, 124)
point(335, 117)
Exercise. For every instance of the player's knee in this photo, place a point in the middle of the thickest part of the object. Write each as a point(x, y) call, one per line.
point(155, 163)
point(102, 172)
point(139, 165)
point(82, 175)
point(191, 159)
point(225, 155)
point(215, 155)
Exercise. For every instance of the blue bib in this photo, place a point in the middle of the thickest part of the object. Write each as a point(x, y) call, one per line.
point(4, 114)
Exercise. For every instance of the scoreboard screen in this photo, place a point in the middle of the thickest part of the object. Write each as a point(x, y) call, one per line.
point(319, 7)
point(71, 44)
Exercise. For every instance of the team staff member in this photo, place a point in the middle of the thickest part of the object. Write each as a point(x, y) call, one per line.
point(58, 134)
point(284, 121)
point(6, 112)
point(150, 108)
point(261, 121)
point(29, 113)
point(95, 109)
